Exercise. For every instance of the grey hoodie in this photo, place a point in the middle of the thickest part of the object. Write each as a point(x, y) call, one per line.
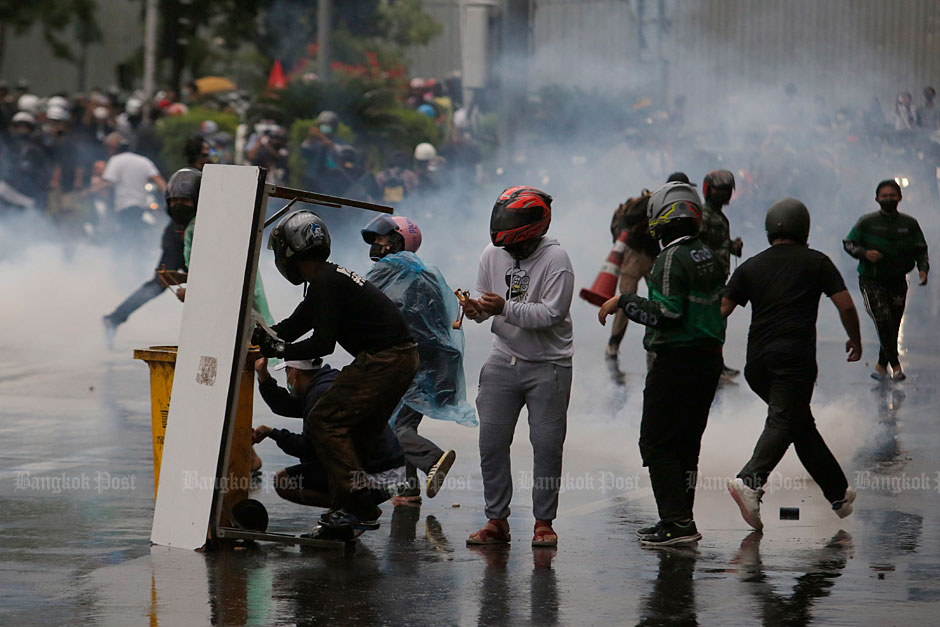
point(536, 322)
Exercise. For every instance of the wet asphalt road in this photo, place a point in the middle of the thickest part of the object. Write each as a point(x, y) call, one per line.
point(74, 531)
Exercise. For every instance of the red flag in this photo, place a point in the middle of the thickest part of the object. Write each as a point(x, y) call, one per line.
point(276, 77)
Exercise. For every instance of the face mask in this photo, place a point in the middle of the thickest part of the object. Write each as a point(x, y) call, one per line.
point(889, 206)
point(720, 197)
point(182, 213)
point(291, 389)
point(326, 129)
point(377, 251)
point(523, 250)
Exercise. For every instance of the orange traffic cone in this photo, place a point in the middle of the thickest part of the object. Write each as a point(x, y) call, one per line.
point(605, 285)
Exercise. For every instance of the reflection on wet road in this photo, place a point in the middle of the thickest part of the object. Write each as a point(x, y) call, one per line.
point(74, 531)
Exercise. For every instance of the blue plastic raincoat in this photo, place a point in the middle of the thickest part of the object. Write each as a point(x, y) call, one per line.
point(429, 306)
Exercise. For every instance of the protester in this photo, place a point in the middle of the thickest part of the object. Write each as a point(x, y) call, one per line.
point(783, 285)
point(307, 483)
point(686, 331)
point(530, 364)
point(127, 174)
point(341, 307)
point(715, 233)
point(182, 195)
point(638, 255)
point(429, 307)
point(928, 114)
point(888, 244)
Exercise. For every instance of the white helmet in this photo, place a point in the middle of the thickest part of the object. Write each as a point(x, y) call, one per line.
point(28, 103)
point(133, 106)
point(57, 114)
point(425, 152)
point(23, 118)
point(57, 101)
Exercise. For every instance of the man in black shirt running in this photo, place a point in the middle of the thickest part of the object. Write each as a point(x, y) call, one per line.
point(783, 285)
point(341, 307)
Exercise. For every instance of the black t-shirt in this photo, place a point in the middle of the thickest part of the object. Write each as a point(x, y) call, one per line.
point(783, 285)
point(342, 307)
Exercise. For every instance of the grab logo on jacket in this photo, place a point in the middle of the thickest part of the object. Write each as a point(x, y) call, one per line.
point(517, 280)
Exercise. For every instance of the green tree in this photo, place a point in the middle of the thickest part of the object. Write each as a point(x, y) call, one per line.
point(52, 16)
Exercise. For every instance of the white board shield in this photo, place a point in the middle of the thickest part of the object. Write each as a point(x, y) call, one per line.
point(213, 340)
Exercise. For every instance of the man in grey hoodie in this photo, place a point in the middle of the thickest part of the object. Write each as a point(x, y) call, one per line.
point(525, 282)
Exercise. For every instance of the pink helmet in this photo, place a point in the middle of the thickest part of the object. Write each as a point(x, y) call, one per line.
point(385, 224)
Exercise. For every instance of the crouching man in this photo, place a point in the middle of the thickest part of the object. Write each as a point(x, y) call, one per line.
point(685, 329)
point(307, 483)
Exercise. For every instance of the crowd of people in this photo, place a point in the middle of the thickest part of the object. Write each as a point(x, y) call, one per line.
point(363, 421)
point(525, 286)
point(54, 151)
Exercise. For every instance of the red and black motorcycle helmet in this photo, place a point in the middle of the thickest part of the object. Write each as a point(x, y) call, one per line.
point(520, 214)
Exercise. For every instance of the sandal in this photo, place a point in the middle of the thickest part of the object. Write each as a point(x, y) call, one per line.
point(495, 531)
point(544, 534)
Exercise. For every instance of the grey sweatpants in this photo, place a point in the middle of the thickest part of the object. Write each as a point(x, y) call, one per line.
point(506, 385)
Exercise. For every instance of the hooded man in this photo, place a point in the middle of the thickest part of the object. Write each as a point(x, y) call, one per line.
point(526, 283)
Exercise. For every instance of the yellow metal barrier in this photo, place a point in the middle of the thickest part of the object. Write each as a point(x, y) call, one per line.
point(162, 362)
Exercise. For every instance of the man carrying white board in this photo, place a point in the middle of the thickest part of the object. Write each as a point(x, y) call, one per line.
point(341, 307)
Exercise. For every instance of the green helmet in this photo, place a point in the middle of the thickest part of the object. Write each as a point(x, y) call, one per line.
point(787, 218)
point(670, 203)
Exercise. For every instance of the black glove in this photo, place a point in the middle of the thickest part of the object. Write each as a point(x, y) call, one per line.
point(270, 347)
point(258, 335)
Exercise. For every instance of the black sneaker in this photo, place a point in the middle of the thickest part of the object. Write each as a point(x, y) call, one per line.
point(341, 519)
point(670, 534)
point(646, 532)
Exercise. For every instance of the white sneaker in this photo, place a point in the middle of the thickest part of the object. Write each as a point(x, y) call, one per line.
point(844, 507)
point(748, 501)
point(438, 473)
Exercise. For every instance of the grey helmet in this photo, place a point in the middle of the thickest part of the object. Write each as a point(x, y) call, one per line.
point(299, 235)
point(184, 183)
point(787, 218)
point(672, 202)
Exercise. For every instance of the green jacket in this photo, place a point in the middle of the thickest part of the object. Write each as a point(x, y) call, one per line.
point(896, 236)
point(261, 301)
point(684, 305)
point(716, 234)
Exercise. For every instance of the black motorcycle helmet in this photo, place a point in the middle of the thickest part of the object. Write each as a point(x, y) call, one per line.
point(788, 218)
point(299, 236)
point(718, 187)
point(184, 184)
